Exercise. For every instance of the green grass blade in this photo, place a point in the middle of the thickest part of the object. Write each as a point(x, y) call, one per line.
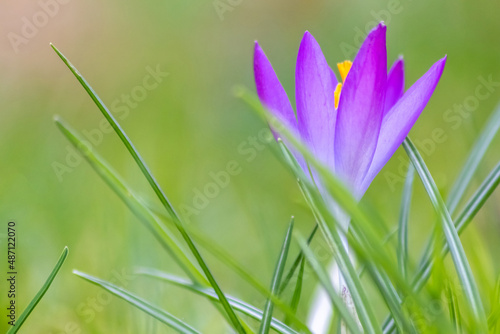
point(360, 299)
point(296, 262)
point(275, 284)
point(163, 316)
point(157, 189)
point(114, 181)
point(403, 224)
point(31, 306)
point(456, 249)
point(236, 303)
point(324, 279)
point(453, 308)
point(476, 154)
point(294, 304)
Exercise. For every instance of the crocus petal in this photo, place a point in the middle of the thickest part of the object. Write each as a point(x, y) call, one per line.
point(361, 109)
point(271, 92)
point(400, 119)
point(395, 84)
point(314, 87)
point(273, 96)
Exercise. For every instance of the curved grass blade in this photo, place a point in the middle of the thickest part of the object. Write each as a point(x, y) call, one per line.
point(456, 249)
point(20, 321)
point(275, 284)
point(403, 224)
point(237, 304)
point(133, 203)
point(157, 189)
point(163, 316)
point(476, 154)
point(324, 279)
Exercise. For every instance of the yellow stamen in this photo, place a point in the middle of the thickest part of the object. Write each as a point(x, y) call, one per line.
point(344, 68)
point(337, 94)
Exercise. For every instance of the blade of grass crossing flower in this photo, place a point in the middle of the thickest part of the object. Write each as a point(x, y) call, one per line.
point(163, 316)
point(369, 227)
point(157, 189)
point(476, 154)
point(403, 223)
point(360, 299)
point(383, 282)
point(275, 284)
point(34, 302)
point(456, 249)
point(324, 279)
point(297, 262)
point(133, 203)
point(453, 308)
point(209, 293)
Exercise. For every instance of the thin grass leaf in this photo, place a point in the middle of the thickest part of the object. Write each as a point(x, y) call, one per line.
point(275, 284)
point(157, 189)
point(31, 306)
point(296, 262)
point(453, 308)
point(163, 316)
point(403, 224)
point(456, 249)
point(135, 205)
point(324, 279)
point(236, 303)
point(294, 304)
point(476, 154)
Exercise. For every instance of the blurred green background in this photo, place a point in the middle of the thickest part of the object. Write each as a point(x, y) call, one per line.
point(191, 125)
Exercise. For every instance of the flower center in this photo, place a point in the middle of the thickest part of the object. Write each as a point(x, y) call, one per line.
point(344, 68)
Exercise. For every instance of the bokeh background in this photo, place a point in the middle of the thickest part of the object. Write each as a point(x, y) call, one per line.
point(191, 125)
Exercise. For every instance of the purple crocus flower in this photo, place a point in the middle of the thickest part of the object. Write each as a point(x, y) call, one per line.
point(353, 127)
